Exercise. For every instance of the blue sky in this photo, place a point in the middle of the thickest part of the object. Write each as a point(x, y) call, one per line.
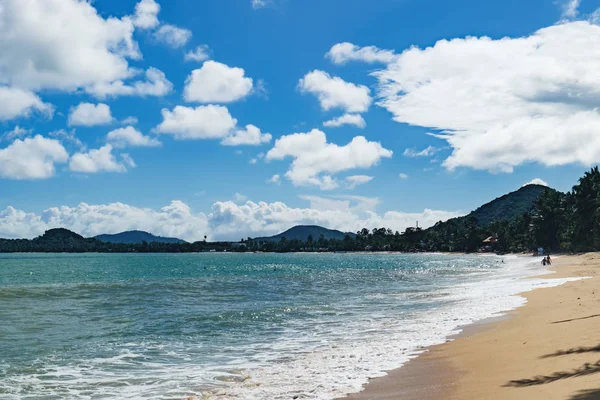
point(107, 126)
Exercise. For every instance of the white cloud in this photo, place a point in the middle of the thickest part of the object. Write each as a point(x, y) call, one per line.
point(200, 53)
point(250, 136)
point(256, 4)
point(346, 119)
point(253, 161)
point(341, 53)
point(504, 102)
point(174, 220)
point(426, 152)
point(67, 137)
point(128, 160)
point(173, 36)
point(217, 83)
point(315, 160)
point(155, 84)
point(130, 121)
point(77, 49)
point(231, 221)
point(16, 132)
point(226, 221)
point(334, 92)
point(536, 181)
point(276, 179)
point(129, 136)
point(403, 176)
point(31, 158)
point(146, 14)
point(202, 122)
point(98, 160)
point(15, 102)
point(239, 198)
point(88, 114)
point(357, 180)
point(570, 9)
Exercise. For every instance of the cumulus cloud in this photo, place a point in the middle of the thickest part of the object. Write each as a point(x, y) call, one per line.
point(88, 114)
point(504, 102)
point(357, 180)
point(276, 179)
point(200, 53)
point(225, 221)
point(99, 160)
point(570, 9)
point(31, 158)
point(15, 102)
point(67, 137)
point(129, 136)
point(155, 84)
point(257, 4)
point(130, 121)
point(403, 175)
point(250, 136)
point(536, 181)
point(146, 14)
point(202, 122)
point(341, 53)
point(334, 92)
point(426, 152)
point(16, 132)
point(79, 48)
point(346, 119)
point(172, 35)
point(228, 220)
point(173, 220)
point(315, 160)
point(217, 83)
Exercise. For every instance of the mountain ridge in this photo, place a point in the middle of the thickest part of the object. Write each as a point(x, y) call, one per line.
point(136, 236)
point(302, 232)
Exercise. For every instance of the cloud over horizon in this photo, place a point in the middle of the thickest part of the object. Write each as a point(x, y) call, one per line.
point(225, 221)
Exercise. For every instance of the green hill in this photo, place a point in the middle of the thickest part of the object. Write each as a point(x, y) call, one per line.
point(132, 237)
point(508, 206)
point(302, 232)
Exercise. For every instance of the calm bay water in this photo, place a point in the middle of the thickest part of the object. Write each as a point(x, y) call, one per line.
point(233, 326)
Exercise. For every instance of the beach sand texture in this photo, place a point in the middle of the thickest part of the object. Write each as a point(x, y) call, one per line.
point(548, 349)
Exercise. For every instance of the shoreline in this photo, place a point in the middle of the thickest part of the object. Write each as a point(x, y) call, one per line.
point(526, 353)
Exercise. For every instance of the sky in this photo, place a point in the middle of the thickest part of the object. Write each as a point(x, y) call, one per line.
point(243, 118)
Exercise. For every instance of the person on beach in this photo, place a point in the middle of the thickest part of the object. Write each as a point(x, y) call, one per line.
point(548, 261)
point(544, 261)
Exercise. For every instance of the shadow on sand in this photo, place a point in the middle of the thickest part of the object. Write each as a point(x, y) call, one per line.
point(576, 319)
point(593, 394)
point(586, 369)
point(574, 350)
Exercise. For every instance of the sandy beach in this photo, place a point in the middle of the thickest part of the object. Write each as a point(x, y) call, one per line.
point(547, 349)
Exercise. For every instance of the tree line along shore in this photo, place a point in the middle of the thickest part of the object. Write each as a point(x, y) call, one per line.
point(522, 221)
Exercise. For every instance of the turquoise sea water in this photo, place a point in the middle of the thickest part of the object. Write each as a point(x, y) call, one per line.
point(233, 326)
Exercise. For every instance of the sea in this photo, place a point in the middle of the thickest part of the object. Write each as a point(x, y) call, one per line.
point(236, 326)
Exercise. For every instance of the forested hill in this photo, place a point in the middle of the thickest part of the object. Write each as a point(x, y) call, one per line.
point(132, 237)
point(508, 206)
point(303, 232)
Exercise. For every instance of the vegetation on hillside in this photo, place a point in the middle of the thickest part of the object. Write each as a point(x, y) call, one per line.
point(136, 237)
point(305, 232)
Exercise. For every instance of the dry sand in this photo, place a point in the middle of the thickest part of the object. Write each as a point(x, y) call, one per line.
point(549, 349)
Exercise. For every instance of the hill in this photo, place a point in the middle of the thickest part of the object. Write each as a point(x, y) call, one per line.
point(508, 206)
point(302, 232)
point(132, 237)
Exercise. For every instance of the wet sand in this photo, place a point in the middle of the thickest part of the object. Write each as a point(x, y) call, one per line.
point(548, 349)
